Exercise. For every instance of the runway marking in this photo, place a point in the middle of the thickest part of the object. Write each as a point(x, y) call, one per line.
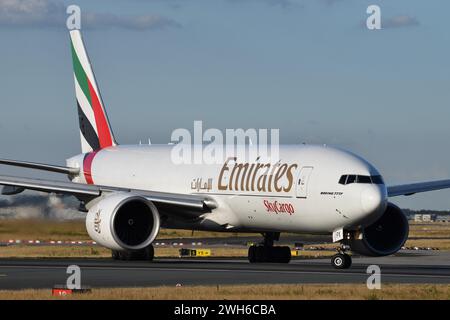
point(236, 270)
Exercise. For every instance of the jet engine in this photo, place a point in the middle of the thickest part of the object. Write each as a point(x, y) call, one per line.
point(123, 222)
point(383, 237)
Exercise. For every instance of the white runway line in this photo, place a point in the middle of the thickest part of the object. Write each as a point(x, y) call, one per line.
point(240, 270)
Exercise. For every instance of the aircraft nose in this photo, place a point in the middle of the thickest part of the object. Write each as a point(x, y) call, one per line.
point(373, 199)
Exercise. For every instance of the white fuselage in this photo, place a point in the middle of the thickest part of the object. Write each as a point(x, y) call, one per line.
point(300, 193)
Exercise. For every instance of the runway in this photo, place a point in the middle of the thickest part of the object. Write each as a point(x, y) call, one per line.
point(409, 267)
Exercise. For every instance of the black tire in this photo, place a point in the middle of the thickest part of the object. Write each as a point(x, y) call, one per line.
point(258, 254)
point(348, 261)
point(338, 261)
point(279, 254)
point(252, 254)
point(115, 255)
point(148, 253)
point(262, 254)
point(285, 254)
point(125, 255)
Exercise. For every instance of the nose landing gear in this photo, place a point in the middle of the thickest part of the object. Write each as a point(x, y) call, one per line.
point(342, 260)
point(267, 252)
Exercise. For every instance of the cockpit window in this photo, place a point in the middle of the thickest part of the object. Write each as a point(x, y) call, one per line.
point(364, 179)
point(352, 178)
point(377, 180)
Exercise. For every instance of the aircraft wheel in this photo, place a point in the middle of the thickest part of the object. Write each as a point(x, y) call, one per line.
point(115, 255)
point(125, 255)
point(348, 261)
point(280, 254)
point(262, 254)
point(341, 261)
point(252, 254)
point(258, 254)
point(286, 254)
point(148, 253)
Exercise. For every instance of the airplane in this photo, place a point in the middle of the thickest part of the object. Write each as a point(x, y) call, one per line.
point(129, 192)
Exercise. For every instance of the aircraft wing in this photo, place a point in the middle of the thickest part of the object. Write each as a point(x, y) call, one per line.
point(184, 204)
point(410, 189)
point(40, 166)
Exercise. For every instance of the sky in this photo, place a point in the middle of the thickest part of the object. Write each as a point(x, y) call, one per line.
point(307, 67)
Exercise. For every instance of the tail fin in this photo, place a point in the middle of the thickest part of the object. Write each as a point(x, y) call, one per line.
point(95, 130)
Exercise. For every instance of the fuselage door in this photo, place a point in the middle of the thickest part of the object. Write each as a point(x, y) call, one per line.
point(302, 182)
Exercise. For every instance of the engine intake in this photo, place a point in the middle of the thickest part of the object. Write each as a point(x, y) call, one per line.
point(383, 237)
point(123, 222)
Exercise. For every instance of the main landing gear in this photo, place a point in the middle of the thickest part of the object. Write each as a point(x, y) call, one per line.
point(146, 254)
point(267, 252)
point(341, 260)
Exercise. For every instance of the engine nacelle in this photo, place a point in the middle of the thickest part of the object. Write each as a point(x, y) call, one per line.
point(383, 237)
point(123, 222)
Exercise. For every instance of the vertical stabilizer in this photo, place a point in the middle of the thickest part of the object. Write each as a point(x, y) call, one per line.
point(95, 130)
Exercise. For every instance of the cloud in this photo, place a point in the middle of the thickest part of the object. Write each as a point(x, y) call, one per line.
point(52, 14)
point(399, 21)
point(140, 22)
point(39, 205)
point(31, 13)
point(279, 3)
point(330, 2)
